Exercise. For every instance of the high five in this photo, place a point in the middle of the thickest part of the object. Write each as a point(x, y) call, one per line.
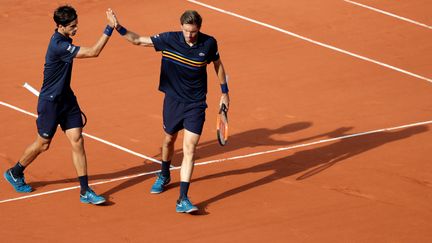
point(183, 79)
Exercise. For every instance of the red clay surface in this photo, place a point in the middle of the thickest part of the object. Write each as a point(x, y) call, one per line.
point(284, 91)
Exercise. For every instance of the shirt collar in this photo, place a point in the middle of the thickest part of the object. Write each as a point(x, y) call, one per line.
point(58, 35)
point(182, 40)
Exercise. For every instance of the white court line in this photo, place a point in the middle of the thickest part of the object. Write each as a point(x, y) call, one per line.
point(36, 92)
point(17, 109)
point(76, 187)
point(31, 89)
point(232, 158)
point(389, 14)
point(313, 41)
point(319, 142)
point(88, 135)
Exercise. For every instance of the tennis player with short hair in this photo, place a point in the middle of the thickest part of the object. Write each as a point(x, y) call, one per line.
point(57, 104)
point(183, 79)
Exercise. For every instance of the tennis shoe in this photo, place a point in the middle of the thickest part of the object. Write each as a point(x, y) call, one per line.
point(90, 197)
point(160, 183)
point(18, 183)
point(184, 205)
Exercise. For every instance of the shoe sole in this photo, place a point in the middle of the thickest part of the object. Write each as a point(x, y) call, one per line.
point(95, 203)
point(189, 211)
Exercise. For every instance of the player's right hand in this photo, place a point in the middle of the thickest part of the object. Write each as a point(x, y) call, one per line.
point(112, 20)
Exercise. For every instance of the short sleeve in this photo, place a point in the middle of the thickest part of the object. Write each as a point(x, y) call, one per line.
point(160, 41)
point(214, 52)
point(67, 51)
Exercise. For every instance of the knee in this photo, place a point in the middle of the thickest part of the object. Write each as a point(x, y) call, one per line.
point(169, 141)
point(44, 147)
point(77, 142)
point(189, 149)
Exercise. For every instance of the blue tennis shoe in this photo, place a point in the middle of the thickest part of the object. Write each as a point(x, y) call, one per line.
point(160, 183)
point(18, 183)
point(90, 197)
point(184, 205)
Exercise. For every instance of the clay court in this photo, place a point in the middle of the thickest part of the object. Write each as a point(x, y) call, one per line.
point(330, 125)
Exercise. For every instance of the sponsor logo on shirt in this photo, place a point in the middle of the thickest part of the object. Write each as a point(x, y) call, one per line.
point(71, 48)
point(201, 54)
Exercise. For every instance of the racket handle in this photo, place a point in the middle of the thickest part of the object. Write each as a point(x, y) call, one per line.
point(223, 108)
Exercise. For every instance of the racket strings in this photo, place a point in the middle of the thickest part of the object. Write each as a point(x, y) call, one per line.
point(222, 125)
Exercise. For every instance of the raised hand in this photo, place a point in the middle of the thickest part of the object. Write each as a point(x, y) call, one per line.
point(112, 20)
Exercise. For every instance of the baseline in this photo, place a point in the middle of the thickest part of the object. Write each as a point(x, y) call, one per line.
point(314, 41)
point(389, 14)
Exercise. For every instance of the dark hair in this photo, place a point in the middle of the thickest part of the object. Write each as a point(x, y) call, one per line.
point(63, 15)
point(191, 17)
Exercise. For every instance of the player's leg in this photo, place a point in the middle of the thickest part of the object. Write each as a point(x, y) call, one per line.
point(193, 124)
point(164, 177)
point(190, 141)
point(15, 175)
point(172, 123)
point(87, 195)
point(46, 126)
point(167, 152)
point(72, 123)
point(39, 146)
point(79, 158)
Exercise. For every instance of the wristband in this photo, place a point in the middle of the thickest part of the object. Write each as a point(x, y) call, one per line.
point(108, 30)
point(122, 30)
point(224, 88)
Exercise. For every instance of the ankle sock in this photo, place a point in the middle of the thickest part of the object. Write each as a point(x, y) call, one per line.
point(18, 170)
point(184, 188)
point(165, 171)
point(83, 183)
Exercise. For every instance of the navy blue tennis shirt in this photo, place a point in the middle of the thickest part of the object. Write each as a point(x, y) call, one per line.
point(58, 68)
point(184, 68)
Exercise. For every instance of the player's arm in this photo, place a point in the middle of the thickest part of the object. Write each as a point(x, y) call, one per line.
point(220, 72)
point(131, 36)
point(96, 49)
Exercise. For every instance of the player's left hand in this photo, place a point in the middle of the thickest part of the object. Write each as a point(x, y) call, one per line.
point(225, 100)
point(112, 19)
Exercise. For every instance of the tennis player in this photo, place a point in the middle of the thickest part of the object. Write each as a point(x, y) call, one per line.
point(57, 103)
point(183, 79)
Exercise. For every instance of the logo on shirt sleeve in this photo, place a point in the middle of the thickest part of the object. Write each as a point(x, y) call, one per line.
point(71, 48)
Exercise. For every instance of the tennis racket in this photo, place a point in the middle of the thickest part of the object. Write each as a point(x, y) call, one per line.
point(222, 125)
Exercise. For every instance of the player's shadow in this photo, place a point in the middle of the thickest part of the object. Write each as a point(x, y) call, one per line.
point(248, 139)
point(308, 162)
point(237, 141)
point(135, 172)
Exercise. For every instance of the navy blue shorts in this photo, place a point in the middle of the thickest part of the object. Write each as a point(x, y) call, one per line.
point(178, 115)
point(67, 113)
